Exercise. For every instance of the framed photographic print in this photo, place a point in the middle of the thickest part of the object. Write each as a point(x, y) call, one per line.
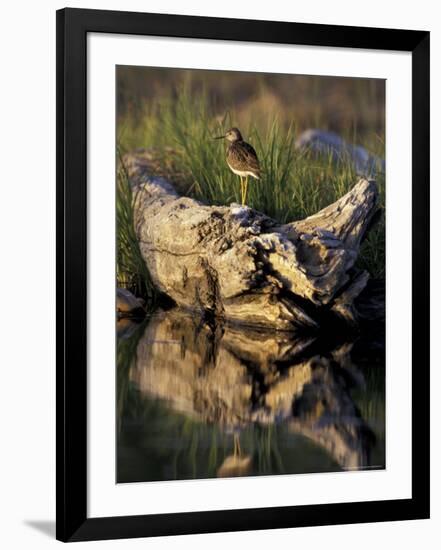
point(242, 274)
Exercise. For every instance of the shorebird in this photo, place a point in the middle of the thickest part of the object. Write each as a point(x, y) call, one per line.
point(241, 159)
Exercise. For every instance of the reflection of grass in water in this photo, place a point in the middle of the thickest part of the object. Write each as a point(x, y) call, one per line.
point(261, 442)
point(371, 403)
point(371, 400)
point(125, 357)
point(212, 455)
point(293, 185)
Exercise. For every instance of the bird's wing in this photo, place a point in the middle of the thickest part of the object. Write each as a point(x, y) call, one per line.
point(244, 155)
point(251, 156)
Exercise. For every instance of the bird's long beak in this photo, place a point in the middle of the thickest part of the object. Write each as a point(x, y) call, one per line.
point(219, 137)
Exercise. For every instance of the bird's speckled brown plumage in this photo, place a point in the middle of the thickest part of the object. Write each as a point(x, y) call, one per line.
point(241, 157)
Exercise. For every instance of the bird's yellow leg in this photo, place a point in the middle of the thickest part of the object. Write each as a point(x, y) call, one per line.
point(245, 190)
point(241, 188)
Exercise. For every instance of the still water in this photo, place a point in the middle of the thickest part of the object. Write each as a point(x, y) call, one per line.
point(198, 400)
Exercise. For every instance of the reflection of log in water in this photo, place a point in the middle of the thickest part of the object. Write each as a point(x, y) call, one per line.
point(234, 377)
point(325, 413)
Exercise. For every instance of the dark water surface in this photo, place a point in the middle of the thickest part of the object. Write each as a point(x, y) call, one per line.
point(197, 400)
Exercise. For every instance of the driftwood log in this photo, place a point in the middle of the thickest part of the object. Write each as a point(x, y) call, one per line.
point(243, 266)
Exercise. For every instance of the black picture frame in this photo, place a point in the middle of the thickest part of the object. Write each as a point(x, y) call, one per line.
point(71, 428)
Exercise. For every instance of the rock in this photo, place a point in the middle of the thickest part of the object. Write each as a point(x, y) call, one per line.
point(324, 142)
point(128, 305)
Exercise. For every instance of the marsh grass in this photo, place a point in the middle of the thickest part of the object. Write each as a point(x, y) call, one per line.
point(180, 130)
point(131, 270)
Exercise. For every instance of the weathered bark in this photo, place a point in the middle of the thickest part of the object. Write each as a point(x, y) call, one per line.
point(241, 265)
